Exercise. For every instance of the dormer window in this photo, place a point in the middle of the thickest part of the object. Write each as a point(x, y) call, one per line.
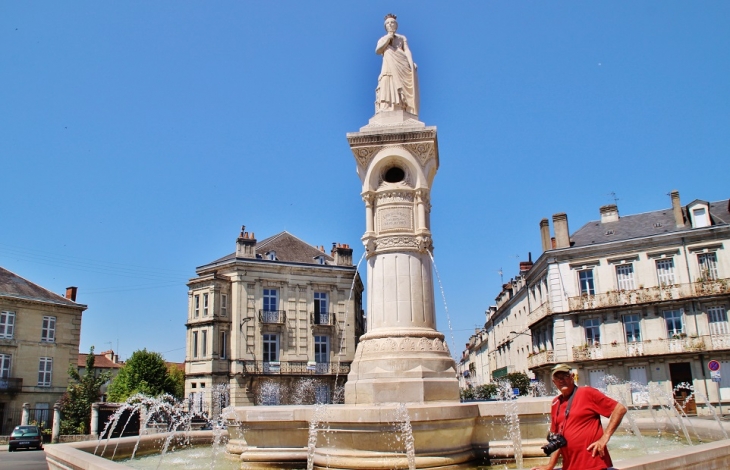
point(699, 214)
point(271, 255)
point(319, 259)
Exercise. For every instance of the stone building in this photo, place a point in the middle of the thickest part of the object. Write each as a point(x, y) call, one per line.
point(39, 339)
point(276, 321)
point(642, 297)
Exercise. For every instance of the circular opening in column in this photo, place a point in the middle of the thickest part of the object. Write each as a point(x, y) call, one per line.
point(394, 175)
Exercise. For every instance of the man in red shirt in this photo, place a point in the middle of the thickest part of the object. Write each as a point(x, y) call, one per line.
point(576, 414)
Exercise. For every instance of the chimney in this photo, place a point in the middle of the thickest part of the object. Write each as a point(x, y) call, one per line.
point(560, 225)
point(342, 253)
point(526, 265)
point(545, 235)
point(245, 244)
point(609, 213)
point(677, 209)
point(71, 293)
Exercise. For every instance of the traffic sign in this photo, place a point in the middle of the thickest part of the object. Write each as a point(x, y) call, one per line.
point(713, 365)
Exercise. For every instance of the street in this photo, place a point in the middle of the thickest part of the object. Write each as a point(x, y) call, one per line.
point(22, 460)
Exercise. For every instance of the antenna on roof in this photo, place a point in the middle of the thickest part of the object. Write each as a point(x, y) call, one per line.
point(613, 196)
point(501, 275)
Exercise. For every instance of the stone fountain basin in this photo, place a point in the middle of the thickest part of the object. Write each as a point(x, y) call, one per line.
point(444, 433)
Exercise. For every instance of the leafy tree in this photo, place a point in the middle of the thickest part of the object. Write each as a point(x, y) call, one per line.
point(177, 377)
point(80, 394)
point(519, 380)
point(145, 372)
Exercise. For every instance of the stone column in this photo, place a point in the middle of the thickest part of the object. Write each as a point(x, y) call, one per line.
point(56, 431)
point(95, 420)
point(402, 357)
point(25, 417)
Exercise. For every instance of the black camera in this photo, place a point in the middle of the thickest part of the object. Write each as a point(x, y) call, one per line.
point(555, 442)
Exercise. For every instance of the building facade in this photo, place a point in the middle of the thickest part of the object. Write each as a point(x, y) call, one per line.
point(642, 297)
point(39, 339)
point(277, 322)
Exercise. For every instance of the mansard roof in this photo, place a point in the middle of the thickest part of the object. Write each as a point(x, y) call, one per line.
point(287, 247)
point(643, 225)
point(12, 285)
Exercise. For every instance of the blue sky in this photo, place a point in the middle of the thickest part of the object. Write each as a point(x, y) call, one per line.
point(137, 137)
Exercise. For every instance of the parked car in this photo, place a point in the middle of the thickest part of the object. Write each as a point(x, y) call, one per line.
point(25, 437)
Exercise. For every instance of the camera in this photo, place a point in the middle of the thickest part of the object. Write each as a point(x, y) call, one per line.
point(555, 442)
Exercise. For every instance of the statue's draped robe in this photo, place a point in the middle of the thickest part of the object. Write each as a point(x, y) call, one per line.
point(397, 83)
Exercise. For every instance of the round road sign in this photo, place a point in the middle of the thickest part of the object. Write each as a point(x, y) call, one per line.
point(713, 365)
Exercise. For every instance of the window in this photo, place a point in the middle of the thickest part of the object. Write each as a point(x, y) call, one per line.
point(674, 322)
point(271, 304)
point(593, 332)
point(321, 349)
point(271, 348)
point(5, 366)
point(322, 394)
point(204, 343)
point(197, 306)
point(48, 332)
point(7, 325)
point(586, 282)
point(625, 277)
point(224, 304)
point(699, 217)
point(718, 320)
point(44, 371)
point(665, 272)
point(205, 305)
point(195, 344)
point(633, 331)
point(223, 345)
point(271, 255)
point(708, 265)
point(321, 314)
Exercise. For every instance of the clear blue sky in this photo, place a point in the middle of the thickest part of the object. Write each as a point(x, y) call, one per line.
point(136, 137)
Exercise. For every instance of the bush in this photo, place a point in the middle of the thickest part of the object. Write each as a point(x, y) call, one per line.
point(486, 391)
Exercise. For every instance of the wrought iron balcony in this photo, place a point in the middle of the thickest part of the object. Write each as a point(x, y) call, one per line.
point(323, 318)
point(646, 295)
point(11, 385)
point(276, 317)
point(681, 344)
point(295, 368)
point(540, 359)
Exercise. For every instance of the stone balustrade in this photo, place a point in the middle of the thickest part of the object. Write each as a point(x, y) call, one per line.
point(650, 347)
point(540, 359)
point(644, 295)
point(540, 312)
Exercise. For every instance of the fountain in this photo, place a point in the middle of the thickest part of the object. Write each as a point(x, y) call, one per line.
point(403, 372)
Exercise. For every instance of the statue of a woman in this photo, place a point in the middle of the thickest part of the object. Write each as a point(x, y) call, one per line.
point(398, 80)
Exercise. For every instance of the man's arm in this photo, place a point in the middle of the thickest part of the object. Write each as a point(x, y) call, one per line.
point(550, 465)
point(614, 420)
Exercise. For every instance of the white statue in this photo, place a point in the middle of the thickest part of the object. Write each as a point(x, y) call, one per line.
point(398, 80)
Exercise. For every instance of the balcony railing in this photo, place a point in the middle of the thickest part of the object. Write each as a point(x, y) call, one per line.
point(277, 317)
point(11, 385)
point(652, 347)
point(540, 359)
point(540, 312)
point(322, 318)
point(295, 368)
point(649, 294)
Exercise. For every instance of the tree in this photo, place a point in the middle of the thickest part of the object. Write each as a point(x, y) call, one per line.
point(519, 380)
point(145, 372)
point(177, 377)
point(80, 394)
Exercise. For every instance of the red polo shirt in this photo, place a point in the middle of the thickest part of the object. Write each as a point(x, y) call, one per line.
point(583, 427)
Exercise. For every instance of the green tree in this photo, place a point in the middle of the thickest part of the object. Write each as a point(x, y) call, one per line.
point(519, 380)
point(145, 372)
point(80, 394)
point(177, 377)
point(486, 391)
